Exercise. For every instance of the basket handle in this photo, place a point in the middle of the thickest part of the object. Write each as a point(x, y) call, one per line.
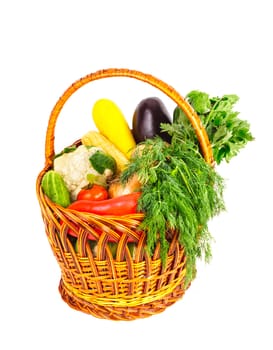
point(147, 78)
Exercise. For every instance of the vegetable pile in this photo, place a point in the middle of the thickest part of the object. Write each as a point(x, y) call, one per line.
point(155, 168)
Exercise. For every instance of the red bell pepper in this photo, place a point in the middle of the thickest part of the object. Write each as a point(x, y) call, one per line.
point(122, 205)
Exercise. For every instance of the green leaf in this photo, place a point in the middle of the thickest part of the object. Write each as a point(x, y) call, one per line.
point(227, 133)
point(66, 150)
point(200, 101)
point(101, 162)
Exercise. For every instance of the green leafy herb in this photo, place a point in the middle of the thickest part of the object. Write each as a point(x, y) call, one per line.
point(180, 193)
point(66, 150)
point(102, 162)
point(227, 133)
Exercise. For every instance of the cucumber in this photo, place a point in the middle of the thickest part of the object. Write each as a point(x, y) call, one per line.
point(54, 187)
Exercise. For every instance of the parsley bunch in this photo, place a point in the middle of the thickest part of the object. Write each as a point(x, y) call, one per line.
point(227, 133)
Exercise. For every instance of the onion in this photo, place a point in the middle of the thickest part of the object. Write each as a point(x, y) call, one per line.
point(117, 189)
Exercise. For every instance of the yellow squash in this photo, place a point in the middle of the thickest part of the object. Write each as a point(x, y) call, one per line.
point(111, 122)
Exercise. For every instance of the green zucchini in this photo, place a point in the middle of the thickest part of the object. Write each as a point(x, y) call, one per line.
point(55, 188)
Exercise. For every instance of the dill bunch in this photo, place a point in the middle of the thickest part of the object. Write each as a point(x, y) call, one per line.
point(180, 193)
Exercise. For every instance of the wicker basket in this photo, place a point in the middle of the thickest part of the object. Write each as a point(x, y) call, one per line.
point(121, 287)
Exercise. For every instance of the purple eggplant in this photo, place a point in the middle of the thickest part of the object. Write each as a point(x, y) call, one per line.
point(147, 118)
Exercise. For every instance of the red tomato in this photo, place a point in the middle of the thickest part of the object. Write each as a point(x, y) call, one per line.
point(95, 193)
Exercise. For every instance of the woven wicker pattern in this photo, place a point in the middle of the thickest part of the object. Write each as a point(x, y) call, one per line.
point(124, 285)
point(122, 313)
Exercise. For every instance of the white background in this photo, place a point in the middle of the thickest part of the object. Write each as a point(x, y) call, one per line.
point(215, 46)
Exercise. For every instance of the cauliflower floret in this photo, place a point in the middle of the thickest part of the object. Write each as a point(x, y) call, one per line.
point(76, 168)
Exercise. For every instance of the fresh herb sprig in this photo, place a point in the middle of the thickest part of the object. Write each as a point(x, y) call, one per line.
point(180, 193)
point(227, 133)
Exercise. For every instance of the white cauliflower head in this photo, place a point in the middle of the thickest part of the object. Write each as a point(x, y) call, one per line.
point(76, 168)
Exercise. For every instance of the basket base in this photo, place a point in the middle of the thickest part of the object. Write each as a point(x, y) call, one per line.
point(121, 313)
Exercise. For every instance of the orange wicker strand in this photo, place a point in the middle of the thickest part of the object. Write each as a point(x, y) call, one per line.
point(124, 286)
